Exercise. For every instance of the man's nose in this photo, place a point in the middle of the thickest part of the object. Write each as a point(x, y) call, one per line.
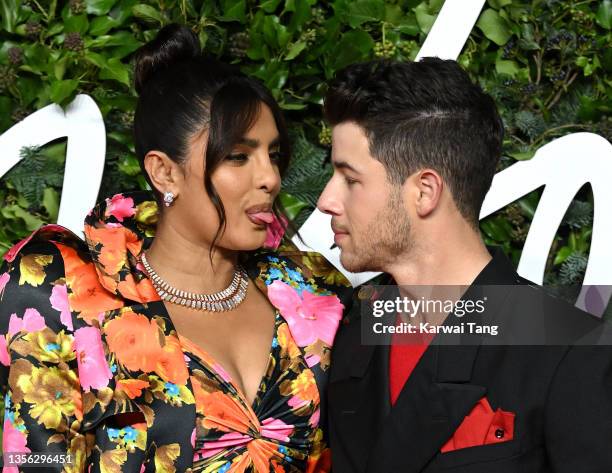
point(329, 202)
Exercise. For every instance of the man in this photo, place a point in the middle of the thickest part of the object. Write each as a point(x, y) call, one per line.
point(414, 149)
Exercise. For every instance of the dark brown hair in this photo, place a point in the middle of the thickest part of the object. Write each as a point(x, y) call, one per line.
point(182, 93)
point(423, 114)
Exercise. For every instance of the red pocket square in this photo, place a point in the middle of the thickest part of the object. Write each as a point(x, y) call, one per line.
point(482, 426)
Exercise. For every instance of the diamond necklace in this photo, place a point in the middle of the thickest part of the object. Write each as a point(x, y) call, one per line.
point(227, 299)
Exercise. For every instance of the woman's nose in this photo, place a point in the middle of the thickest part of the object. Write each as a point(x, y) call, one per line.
point(267, 175)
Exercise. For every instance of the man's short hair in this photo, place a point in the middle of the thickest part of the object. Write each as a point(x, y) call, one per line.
point(426, 114)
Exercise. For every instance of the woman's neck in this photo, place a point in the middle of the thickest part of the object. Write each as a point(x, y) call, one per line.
point(186, 264)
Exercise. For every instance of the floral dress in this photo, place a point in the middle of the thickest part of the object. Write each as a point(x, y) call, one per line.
point(91, 364)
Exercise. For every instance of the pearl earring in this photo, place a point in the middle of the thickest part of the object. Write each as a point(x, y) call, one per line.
point(168, 198)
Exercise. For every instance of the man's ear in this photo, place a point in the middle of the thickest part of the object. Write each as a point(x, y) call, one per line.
point(164, 173)
point(428, 186)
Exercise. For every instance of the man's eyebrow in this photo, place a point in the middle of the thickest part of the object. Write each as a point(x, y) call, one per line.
point(344, 165)
point(252, 143)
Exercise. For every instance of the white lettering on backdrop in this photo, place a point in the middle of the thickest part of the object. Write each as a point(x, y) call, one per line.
point(563, 166)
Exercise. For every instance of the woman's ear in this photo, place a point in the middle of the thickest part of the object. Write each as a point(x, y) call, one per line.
point(165, 174)
point(429, 186)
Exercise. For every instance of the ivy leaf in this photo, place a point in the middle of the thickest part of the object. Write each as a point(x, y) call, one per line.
point(295, 50)
point(497, 228)
point(5, 113)
point(494, 27)
point(275, 34)
point(393, 14)
point(76, 23)
point(269, 5)
point(562, 254)
point(353, 47)
point(15, 212)
point(99, 7)
point(50, 203)
point(604, 14)
point(103, 25)
point(292, 205)
point(363, 11)
point(522, 155)
point(292, 106)
point(424, 19)
point(301, 14)
point(509, 68)
point(61, 90)
point(147, 14)
point(497, 4)
point(96, 59)
point(37, 57)
point(115, 70)
point(233, 10)
point(9, 9)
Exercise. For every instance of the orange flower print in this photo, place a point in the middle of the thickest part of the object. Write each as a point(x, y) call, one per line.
point(142, 291)
point(135, 340)
point(198, 391)
point(115, 241)
point(286, 342)
point(87, 295)
point(226, 414)
point(304, 390)
point(132, 387)
point(171, 364)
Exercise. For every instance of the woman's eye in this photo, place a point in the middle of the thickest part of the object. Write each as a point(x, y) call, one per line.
point(237, 157)
point(276, 157)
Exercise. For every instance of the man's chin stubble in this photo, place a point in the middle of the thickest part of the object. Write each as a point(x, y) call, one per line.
point(360, 265)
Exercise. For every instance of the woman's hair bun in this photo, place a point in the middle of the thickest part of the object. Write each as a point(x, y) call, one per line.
point(173, 43)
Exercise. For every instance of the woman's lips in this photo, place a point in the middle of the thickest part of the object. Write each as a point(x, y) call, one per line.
point(261, 218)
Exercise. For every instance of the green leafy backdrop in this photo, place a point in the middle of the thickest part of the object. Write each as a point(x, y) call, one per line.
point(546, 62)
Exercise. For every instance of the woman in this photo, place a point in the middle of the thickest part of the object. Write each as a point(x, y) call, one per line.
point(183, 351)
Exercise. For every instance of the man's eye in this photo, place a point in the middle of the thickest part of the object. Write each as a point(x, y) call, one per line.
point(350, 181)
point(237, 157)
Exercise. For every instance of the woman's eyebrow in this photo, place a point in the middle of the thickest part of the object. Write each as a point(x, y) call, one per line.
point(254, 143)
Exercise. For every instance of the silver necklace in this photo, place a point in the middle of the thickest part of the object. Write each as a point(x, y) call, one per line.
point(227, 299)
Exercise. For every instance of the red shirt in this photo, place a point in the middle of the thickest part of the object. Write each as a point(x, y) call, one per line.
point(406, 351)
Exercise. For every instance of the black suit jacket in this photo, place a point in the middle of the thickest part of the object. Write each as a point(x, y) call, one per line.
point(561, 395)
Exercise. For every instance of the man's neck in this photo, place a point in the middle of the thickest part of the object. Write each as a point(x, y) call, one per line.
point(442, 261)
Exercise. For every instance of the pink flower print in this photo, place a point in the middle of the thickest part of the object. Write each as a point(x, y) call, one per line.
point(119, 207)
point(93, 367)
point(315, 418)
point(32, 322)
point(4, 279)
point(59, 301)
point(229, 440)
point(12, 253)
point(13, 440)
point(310, 317)
point(276, 429)
point(312, 360)
point(275, 232)
point(221, 372)
point(5, 358)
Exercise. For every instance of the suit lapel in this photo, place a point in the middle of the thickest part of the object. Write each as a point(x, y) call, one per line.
point(432, 404)
point(439, 393)
point(358, 391)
